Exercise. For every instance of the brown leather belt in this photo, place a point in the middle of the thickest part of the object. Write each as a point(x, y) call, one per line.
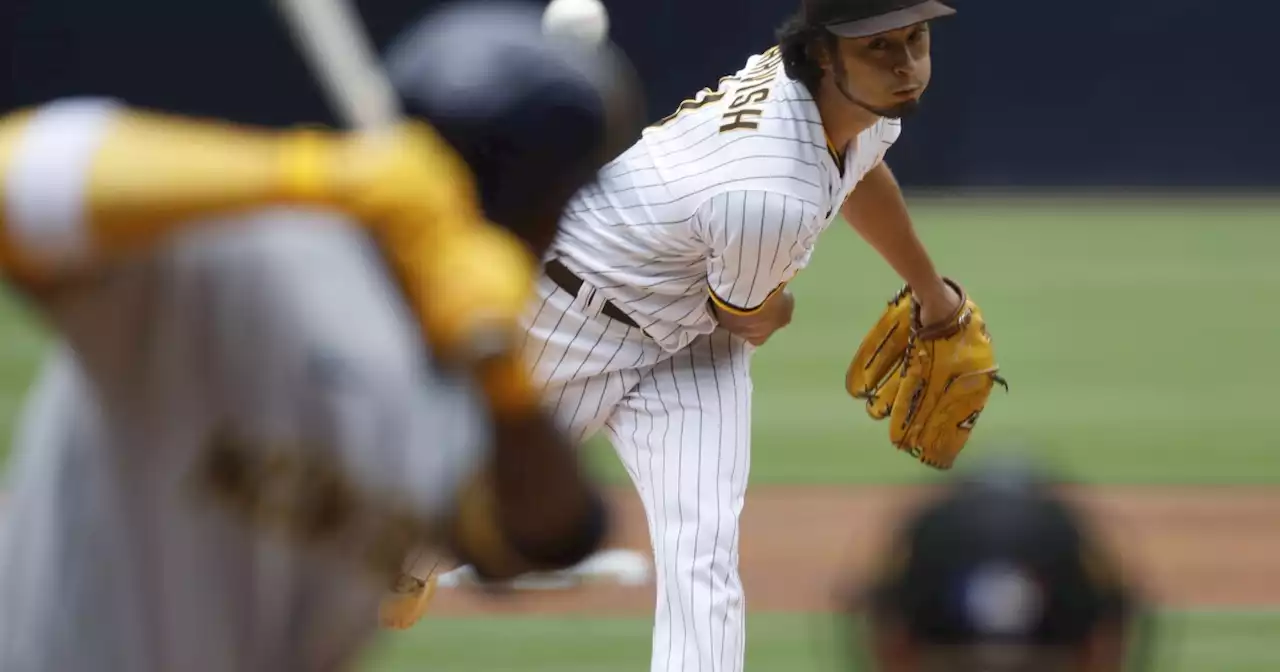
point(569, 282)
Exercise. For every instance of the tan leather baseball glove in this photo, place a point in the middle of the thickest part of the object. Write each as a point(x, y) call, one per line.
point(932, 382)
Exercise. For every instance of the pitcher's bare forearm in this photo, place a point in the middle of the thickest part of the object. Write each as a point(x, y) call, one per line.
point(878, 212)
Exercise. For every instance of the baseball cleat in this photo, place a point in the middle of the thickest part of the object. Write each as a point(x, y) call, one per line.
point(621, 567)
point(407, 602)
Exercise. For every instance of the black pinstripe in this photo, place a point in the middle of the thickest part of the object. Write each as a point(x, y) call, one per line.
point(696, 277)
point(764, 214)
point(715, 543)
point(542, 306)
point(565, 352)
point(601, 397)
point(538, 360)
point(784, 219)
point(741, 232)
point(695, 197)
point(713, 124)
point(742, 431)
point(808, 212)
point(693, 309)
point(581, 390)
point(591, 351)
point(656, 311)
point(675, 382)
point(666, 427)
point(815, 140)
point(739, 440)
point(722, 185)
point(774, 270)
point(694, 160)
point(708, 123)
point(698, 262)
point(697, 514)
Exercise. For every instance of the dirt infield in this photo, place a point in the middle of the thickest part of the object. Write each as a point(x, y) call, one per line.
point(1191, 547)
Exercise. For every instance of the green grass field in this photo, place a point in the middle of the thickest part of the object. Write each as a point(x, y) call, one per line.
point(1204, 642)
point(1138, 338)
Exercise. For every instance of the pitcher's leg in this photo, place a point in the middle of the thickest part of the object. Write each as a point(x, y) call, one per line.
point(584, 364)
point(684, 434)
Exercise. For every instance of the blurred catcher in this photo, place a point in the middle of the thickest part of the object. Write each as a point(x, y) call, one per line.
point(315, 332)
point(999, 574)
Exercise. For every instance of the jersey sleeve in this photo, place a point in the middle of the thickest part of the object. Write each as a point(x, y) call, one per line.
point(756, 245)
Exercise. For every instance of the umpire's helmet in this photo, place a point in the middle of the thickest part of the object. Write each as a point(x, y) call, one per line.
point(535, 117)
point(1000, 574)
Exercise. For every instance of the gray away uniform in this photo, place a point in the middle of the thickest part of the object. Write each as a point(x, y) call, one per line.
point(280, 329)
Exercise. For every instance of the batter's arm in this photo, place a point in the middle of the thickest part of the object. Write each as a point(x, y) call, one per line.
point(877, 210)
point(84, 181)
point(87, 181)
point(319, 371)
point(534, 508)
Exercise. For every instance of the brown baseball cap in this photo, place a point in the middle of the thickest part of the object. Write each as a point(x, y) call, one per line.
point(863, 18)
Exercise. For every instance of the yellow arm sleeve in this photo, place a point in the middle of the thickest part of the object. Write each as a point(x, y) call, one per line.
point(85, 181)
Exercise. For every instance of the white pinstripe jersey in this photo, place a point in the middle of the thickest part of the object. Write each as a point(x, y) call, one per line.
point(726, 196)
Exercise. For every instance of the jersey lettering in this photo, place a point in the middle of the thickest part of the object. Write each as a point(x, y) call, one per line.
point(756, 96)
point(705, 97)
point(751, 88)
point(759, 80)
point(737, 121)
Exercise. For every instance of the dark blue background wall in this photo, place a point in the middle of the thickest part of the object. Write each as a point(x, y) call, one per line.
point(1093, 92)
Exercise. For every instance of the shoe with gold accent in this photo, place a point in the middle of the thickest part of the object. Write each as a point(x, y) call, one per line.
point(407, 602)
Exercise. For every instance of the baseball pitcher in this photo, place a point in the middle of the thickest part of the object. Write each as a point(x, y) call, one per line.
point(672, 268)
point(285, 361)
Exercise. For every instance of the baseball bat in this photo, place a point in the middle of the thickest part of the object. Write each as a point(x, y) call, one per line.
point(336, 46)
point(333, 40)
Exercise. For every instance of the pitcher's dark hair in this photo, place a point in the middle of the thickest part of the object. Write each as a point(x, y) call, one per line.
point(799, 44)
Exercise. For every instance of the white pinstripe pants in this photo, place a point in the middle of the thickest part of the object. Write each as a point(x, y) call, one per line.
point(681, 425)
